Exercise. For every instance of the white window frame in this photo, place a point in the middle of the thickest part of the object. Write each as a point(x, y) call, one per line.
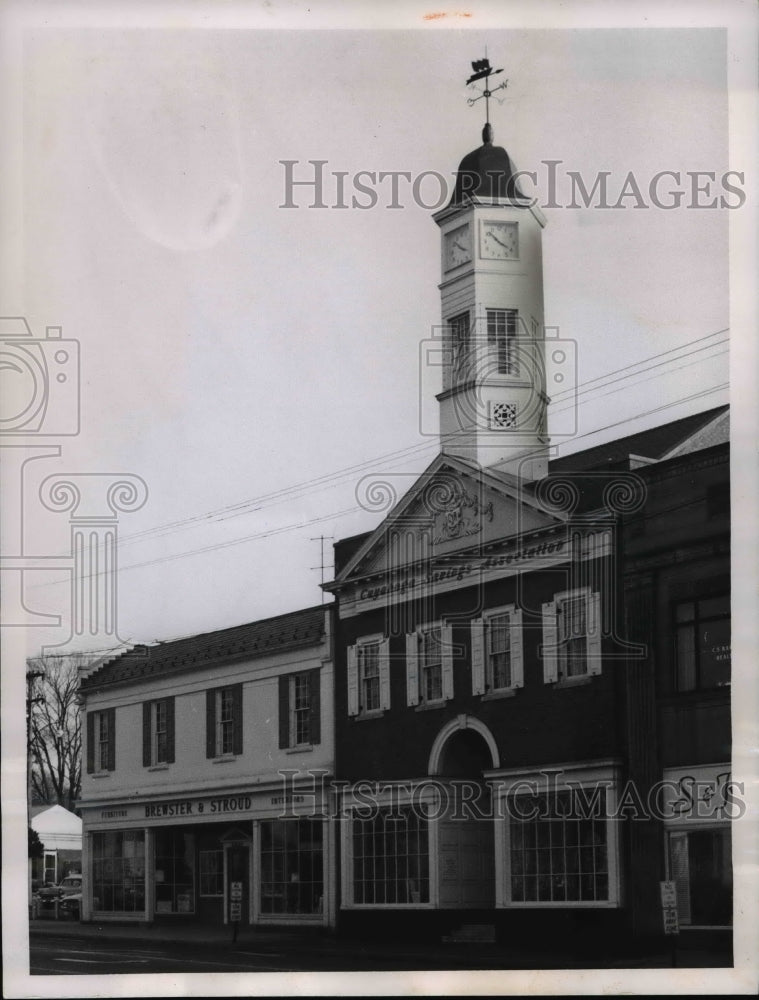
point(415, 665)
point(295, 710)
point(356, 701)
point(552, 643)
point(504, 341)
point(101, 757)
point(155, 732)
point(568, 777)
point(221, 722)
point(461, 346)
point(482, 672)
point(385, 801)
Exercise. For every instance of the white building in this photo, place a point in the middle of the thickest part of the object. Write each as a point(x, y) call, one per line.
point(197, 796)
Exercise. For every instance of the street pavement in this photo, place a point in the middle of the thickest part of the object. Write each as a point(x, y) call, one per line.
point(71, 948)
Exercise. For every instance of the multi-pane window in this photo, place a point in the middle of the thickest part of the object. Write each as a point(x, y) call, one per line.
point(118, 871)
point(391, 858)
point(292, 866)
point(160, 732)
point(559, 852)
point(502, 332)
point(224, 721)
point(101, 740)
point(572, 625)
point(369, 676)
point(300, 708)
point(702, 643)
point(211, 873)
point(459, 333)
point(499, 652)
point(102, 727)
point(174, 872)
point(431, 665)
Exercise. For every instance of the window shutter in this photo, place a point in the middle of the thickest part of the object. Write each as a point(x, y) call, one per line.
point(316, 711)
point(352, 681)
point(237, 719)
point(550, 665)
point(147, 756)
point(211, 723)
point(515, 640)
point(478, 656)
point(594, 633)
point(90, 742)
point(111, 739)
point(170, 755)
point(284, 711)
point(446, 639)
point(384, 672)
point(412, 668)
point(679, 866)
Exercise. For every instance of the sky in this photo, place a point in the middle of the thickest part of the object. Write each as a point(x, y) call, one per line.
point(252, 363)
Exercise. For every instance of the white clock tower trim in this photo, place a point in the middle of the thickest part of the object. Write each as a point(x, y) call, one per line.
point(493, 404)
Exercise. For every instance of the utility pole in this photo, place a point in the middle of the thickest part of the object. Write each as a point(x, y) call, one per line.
point(322, 566)
point(32, 676)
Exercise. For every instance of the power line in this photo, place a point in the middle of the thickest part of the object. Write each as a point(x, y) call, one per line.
point(329, 480)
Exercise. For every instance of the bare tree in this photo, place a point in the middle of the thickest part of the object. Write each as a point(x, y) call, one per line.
point(55, 729)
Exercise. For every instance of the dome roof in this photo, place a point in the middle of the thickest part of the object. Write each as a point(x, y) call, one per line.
point(486, 172)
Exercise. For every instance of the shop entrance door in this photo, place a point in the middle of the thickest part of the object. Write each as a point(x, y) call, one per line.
point(237, 882)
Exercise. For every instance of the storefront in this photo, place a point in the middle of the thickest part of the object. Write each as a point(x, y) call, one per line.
point(258, 857)
point(699, 804)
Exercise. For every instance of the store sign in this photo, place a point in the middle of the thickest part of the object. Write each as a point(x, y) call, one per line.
point(701, 794)
point(668, 892)
point(235, 912)
point(235, 891)
point(198, 807)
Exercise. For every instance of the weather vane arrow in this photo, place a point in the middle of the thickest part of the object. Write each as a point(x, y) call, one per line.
point(483, 71)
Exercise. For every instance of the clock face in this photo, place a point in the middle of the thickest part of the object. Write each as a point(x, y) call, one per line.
point(499, 240)
point(458, 247)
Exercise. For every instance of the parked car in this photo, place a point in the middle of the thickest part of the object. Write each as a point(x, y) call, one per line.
point(71, 905)
point(68, 886)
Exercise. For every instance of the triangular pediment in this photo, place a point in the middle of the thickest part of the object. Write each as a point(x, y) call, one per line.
point(452, 508)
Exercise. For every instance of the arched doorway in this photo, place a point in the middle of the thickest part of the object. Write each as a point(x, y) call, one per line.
point(463, 750)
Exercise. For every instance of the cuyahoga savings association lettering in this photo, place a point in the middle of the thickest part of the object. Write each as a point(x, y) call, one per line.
point(403, 582)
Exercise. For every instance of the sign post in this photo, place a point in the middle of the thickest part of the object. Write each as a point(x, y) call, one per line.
point(668, 891)
point(235, 906)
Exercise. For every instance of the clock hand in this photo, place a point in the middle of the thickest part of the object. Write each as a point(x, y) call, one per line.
point(457, 244)
point(504, 245)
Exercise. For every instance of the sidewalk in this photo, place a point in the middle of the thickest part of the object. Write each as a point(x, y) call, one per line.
point(324, 942)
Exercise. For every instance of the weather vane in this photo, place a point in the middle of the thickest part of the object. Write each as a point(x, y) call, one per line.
point(483, 70)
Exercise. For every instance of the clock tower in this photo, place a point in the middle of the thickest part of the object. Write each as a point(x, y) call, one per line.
point(493, 403)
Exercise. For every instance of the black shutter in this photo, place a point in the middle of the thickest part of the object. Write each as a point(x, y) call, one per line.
point(147, 756)
point(237, 719)
point(170, 731)
point(315, 722)
point(211, 723)
point(111, 739)
point(284, 711)
point(90, 742)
